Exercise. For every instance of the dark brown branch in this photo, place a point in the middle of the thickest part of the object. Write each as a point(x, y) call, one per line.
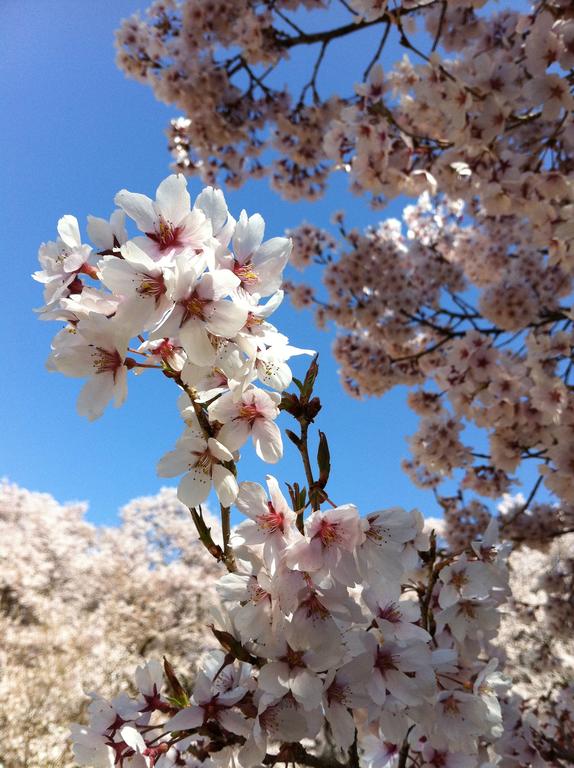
point(522, 509)
point(440, 26)
point(378, 52)
point(228, 557)
point(295, 753)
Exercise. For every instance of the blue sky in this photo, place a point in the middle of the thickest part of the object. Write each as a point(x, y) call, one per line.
point(75, 132)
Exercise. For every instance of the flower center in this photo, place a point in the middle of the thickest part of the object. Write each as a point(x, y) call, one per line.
point(294, 658)
point(390, 613)
point(336, 693)
point(245, 273)
point(459, 579)
point(315, 608)
point(105, 361)
point(253, 321)
point(194, 306)
point(166, 235)
point(249, 412)
point(385, 660)
point(272, 521)
point(152, 285)
point(450, 705)
point(204, 462)
point(328, 533)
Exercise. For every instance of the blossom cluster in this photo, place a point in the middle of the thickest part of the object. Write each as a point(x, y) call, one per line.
point(535, 638)
point(484, 111)
point(81, 606)
point(353, 632)
point(473, 316)
point(184, 296)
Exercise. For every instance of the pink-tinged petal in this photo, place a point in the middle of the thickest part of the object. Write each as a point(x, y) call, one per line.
point(234, 722)
point(248, 235)
point(216, 285)
point(377, 688)
point(196, 343)
point(120, 387)
point(307, 688)
point(223, 409)
point(212, 202)
point(305, 555)
point(342, 725)
point(447, 596)
point(172, 198)
point(401, 686)
point(267, 440)
point(253, 751)
point(275, 250)
point(138, 258)
point(190, 717)
point(133, 738)
point(274, 678)
point(138, 207)
point(278, 499)
point(225, 485)
point(234, 434)
point(225, 318)
point(194, 487)
point(218, 450)
point(69, 231)
point(95, 395)
point(252, 500)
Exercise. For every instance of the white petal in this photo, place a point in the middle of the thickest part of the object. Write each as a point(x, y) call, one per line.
point(95, 395)
point(248, 235)
point(196, 343)
point(212, 202)
point(234, 722)
point(225, 318)
point(173, 201)
point(342, 725)
point(252, 499)
point(234, 434)
point(218, 450)
point(100, 232)
point(267, 440)
point(194, 487)
point(135, 256)
point(190, 717)
point(218, 284)
point(69, 231)
point(307, 688)
point(225, 485)
point(139, 208)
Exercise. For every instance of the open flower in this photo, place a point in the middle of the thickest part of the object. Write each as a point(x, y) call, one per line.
point(170, 224)
point(202, 460)
point(253, 415)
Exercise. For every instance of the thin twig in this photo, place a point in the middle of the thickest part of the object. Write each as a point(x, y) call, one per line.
point(377, 53)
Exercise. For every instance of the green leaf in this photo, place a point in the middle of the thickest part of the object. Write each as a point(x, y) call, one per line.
point(323, 460)
point(311, 375)
point(179, 695)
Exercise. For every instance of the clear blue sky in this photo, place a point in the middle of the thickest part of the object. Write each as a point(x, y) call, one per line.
point(74, 132)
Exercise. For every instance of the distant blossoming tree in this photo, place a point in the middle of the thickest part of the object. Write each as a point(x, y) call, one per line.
point(81, 607)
